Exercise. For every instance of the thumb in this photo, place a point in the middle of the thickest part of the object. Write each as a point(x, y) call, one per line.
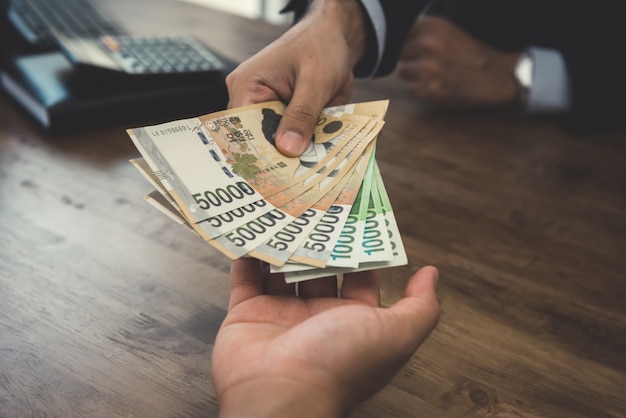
point(417, 314)
point(297, 124)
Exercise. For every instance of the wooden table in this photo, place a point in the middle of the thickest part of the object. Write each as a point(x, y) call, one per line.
point(108, 309)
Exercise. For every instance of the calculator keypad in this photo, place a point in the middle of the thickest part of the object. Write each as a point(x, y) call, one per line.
point(161, 54)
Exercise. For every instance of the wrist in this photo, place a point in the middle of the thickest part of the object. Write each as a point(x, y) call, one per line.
point(506, 88)
point(278, 399)
point(349, 17)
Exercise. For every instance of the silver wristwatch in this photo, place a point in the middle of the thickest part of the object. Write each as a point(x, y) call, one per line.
point(524, 76)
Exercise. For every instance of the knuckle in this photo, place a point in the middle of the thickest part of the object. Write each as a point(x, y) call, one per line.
point(432, 45)
point(429, 90)
point(300, 112)
point(230, 80)
point(434, 90)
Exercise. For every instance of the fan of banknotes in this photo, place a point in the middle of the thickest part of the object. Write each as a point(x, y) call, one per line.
point(324, 213)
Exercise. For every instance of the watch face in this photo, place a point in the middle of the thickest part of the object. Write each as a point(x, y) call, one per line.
point(524, 71)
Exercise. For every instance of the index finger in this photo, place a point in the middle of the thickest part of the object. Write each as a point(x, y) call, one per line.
point(362, 286)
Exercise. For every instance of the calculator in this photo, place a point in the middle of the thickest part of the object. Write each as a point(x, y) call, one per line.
point(141, 54)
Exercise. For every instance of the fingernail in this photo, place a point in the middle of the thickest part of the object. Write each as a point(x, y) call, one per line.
point(292, 143)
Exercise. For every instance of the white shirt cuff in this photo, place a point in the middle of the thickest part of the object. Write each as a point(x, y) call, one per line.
point(550, 87)
point(377, 17)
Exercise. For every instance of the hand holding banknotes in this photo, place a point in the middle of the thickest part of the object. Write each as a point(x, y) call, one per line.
point(291, 70)
point(278, 355)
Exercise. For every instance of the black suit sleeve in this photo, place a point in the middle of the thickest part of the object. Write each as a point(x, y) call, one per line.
point(594, 56)
point(399, 17)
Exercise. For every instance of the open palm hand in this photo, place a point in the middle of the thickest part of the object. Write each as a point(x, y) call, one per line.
point(315, 354)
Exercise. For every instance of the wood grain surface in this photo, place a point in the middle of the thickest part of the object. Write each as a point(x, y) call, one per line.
point(108, 309)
